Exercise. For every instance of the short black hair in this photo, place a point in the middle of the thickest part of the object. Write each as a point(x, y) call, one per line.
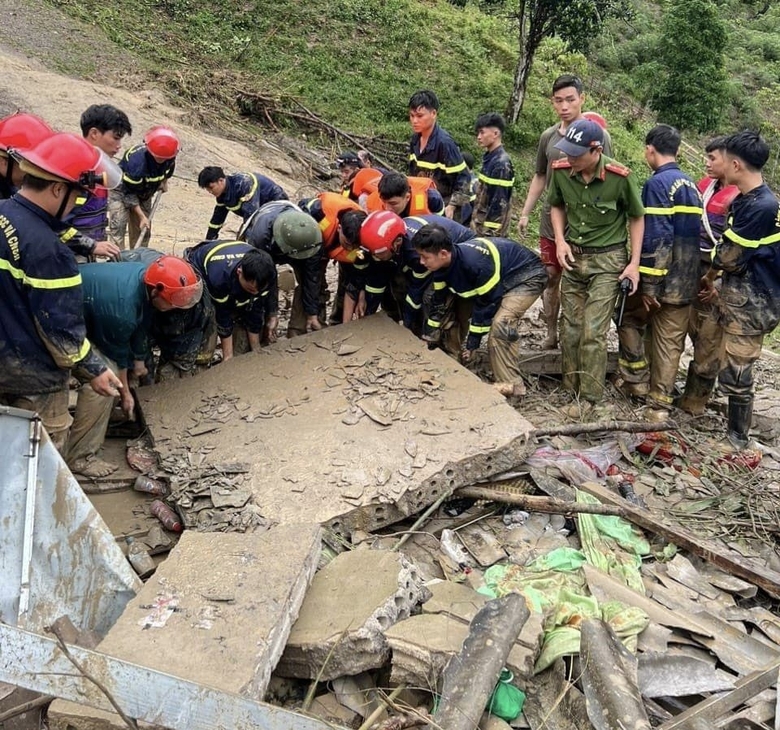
point(424, 98)
point(432, 239)
point(258, 267)
point(749, 147)
point(718, 144)
point(393, 185)
point(210, 174)
point(491, 119)
point(468, 158)
point(105, 118)
point(665, 138)
point(36, 183)
point(565, 81)
point(350, 222)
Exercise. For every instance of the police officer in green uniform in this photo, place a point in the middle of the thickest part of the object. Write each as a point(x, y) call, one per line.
point(599, 200)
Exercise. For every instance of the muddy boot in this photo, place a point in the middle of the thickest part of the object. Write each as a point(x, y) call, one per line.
point(740, 417)
point(697, 393)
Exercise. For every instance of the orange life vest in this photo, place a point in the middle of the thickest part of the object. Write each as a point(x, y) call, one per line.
point(364, 182)
point(418, 203)
point(332, 204)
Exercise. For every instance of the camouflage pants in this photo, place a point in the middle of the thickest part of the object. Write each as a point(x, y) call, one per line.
point(705, 333)
point(738, 353)
point(588, 295)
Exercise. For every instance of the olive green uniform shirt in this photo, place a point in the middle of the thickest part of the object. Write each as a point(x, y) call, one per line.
point(597, 212)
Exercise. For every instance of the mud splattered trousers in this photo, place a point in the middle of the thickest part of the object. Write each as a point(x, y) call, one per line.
point(588, 295)
point(667, 328)
point(52, 409)
point(122, 220)
point(504, 339)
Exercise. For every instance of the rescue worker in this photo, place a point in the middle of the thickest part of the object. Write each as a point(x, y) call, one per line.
point(348, 163)
point(19, 132)
point(241, 193)
point(391, 274)
point(669, 283)
point(433, 153)
point(405, 196)
point(242, 283)
point(292, 237)
point(703, 328)
point(119, 305)
point(503, 278)
point(496, 178)
point(339, 219)
point(103, 126)
point(467, 211)
point(593, 200)
point(146, 170)
point(748, 254)
point(567, 99)
point(362, 184)
point(43, 336)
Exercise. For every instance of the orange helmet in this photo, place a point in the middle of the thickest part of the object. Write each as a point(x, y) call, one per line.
point(22, 131)
point(65, 157)
point(162, 142)
point(175, 282)
point(596, 117)
point(379, 230)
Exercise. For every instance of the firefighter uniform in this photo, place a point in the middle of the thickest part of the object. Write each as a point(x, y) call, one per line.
point(142, 177)
point(749, 301)
point(703, 328)
point(216, 262)
point(504, 279)
point(669, 270)
point(244, 193)
point(441, 160)
point(494, 194)
point(43, 336)
point(597, 214)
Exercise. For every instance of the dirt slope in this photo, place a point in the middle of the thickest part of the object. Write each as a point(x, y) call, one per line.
point(26, 84)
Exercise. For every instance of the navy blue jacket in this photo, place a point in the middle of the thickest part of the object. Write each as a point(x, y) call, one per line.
point(442, 160)
point(117, 310)
point(244, 193)
point(87, 223)
point(483, 269)
point(42, 330)
point(749, 254)
point(142, 175)
point(494, 193)
point(216, 262)
point(260, 234)
point(670, 248)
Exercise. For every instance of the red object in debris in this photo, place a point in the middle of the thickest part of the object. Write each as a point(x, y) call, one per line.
point(150, 486)
point(743, 459)
point(166, 515)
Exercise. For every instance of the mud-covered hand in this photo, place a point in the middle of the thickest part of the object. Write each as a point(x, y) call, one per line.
point(107, 249)
point(128, 404)
point(107, 384)
point(270, 329)
point(313, 323)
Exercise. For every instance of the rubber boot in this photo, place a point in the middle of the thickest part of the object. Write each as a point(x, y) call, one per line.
point(740, 417)
point(697, 392)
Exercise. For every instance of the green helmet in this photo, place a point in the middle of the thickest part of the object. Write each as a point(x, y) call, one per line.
point(297, 234)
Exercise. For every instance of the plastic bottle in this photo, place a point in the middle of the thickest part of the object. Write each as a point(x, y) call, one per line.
point(150, 486)
point(139, 558)
point(166, 515)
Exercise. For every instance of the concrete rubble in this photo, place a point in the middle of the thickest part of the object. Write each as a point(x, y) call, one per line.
point(218, 612)
point(351, 601)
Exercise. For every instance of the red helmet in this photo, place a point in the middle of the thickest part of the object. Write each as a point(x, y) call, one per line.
point(596, 117)
point(65, 157)
point(379, 230)
point(175, 282)
point(162, 142)
point(22, 131)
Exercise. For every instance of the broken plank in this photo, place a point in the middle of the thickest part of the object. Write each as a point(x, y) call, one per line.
point(538, 504)
point(728, 560)
point(714, 707)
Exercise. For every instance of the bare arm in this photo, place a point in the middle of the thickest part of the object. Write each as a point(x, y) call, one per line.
point(535, 190)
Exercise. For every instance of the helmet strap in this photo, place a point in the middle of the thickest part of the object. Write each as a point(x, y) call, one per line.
point(61, 211)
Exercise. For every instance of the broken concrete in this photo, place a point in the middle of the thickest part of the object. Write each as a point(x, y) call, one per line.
point(351, 602)
point(354, 427)
point(217, 612)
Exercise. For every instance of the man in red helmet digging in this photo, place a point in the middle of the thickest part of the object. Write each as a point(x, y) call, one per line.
point(146, 169)
point(43, 337)
point(119, 304)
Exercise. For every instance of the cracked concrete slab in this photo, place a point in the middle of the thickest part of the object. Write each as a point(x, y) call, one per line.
point(352, 600)
point(353, 427)
point(218, 612)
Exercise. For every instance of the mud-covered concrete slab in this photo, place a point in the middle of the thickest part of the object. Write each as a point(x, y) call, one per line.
point(351, 601)
point(355, 426)
point(218, 612)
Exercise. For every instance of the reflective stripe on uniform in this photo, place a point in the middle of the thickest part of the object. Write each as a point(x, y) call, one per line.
point(437, 165)
point(493, 280)
point(479, 329)
point(439, 285)
point(495, 181)
point(67, 235)
point(375, 289)
point(489, 224)
point(653, 272)
point(36, 283)
point(210, 255)
point(674, 209)
point(638, 365)
point(433, 323)
point(750, 243)
point(411, 303)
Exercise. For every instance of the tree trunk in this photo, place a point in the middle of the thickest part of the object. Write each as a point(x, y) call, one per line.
point(522, 72)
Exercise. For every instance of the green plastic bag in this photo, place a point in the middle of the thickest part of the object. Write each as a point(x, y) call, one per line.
point(507, 700)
